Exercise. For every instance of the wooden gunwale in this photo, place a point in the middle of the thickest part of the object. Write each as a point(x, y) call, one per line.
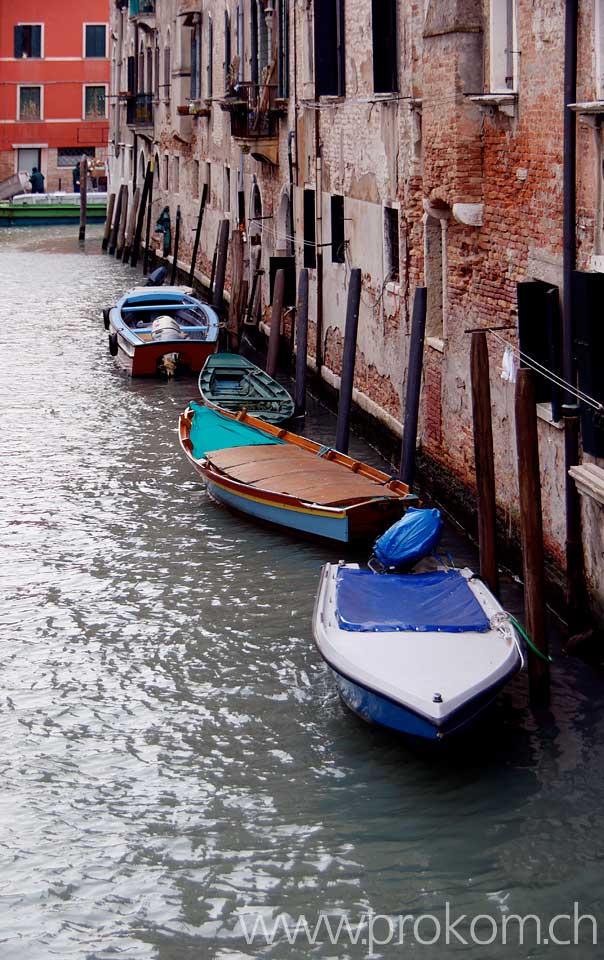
point(356, 467)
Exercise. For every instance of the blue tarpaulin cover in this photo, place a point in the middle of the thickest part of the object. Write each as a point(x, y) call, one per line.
point(438, 601)
point(409, 539)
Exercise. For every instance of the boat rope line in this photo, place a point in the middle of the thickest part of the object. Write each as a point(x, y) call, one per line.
point(546, 373)
point(500, 618)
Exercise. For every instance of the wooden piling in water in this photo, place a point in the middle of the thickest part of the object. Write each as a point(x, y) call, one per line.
point(301, 343)
point(234, 317)
point(117, 219)
point(121, 233)
point(107, 230)
point(414, 383)
point(131, 226)
point(204, 194)
point(176, 246)
point(140, 222)
point(276, 316)
point(348, 361)
point(484, 460)
point(529, 482)
point(221, 264)
point(147, 253)
point(83, 197)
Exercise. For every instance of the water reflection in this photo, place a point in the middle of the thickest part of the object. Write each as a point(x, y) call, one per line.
point(173, 748)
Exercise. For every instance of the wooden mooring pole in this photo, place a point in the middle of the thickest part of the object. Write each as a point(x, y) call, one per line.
point(83, 197)
point(204, 194)
point(140, 222)
point(221, 264)
point(107, 230)
point(414, 382)
point(301, 343)
point(484, 461)
point(121, 233)
point(348, 361)
point(276, 315)
point(529, 482)
point(147, 253)
point(131, 226)
point(117, 219)
point(176, 246)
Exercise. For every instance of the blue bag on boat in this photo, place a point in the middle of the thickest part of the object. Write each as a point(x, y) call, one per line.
point(409, 539)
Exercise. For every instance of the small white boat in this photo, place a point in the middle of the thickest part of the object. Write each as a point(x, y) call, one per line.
point(422, 653)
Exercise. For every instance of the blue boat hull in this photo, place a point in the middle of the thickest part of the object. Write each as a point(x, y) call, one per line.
point(375, 708)
point(310, 522)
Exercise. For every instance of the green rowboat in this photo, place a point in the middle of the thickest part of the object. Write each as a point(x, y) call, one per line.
point(230, 382)
point(44, 209)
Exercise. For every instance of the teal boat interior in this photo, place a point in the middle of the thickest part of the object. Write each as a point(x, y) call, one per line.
point(212, 431)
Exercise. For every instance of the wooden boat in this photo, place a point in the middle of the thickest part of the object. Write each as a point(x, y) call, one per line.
point(44, 209)
point(161, 329)
point(285, 480)
point(422, 654)
point(230, 382)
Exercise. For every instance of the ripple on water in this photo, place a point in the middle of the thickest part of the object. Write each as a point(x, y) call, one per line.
point(173, 750)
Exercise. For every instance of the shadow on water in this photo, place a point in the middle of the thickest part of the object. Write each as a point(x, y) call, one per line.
point(174, 750)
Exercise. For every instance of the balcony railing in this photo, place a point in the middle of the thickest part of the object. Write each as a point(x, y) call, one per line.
point(139, 110)
point(145, 8)
point(255, 111)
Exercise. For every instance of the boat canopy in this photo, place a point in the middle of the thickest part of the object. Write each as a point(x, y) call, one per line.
point(212, 431)
point(441, 601)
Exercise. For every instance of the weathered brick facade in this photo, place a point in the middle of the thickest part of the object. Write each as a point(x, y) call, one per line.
point(465, 151)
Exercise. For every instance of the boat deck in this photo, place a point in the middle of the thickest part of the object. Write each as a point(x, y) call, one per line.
point(298, 473)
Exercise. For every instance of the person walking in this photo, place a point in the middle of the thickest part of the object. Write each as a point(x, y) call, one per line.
point(37, 181)
point(76, 177)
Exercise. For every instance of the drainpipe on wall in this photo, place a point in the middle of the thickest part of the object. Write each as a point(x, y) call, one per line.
point(574, 546)
point(290, 160)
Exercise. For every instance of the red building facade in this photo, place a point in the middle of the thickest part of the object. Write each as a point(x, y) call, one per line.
point(54, 86)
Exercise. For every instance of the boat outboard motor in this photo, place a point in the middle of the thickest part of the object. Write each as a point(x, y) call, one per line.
point(166, 328)
point(407, 541)
point(156, 277)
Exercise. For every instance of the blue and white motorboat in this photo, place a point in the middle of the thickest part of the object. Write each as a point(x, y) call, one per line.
point(420, 653)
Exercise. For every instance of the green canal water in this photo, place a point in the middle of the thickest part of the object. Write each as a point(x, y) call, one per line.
point(175, 764)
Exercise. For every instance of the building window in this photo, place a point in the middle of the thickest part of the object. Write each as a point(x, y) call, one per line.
point(167, 73)
point(383, 20)
point(69, 156)
point(329, 48)
point(195, 179)
point(176, 174)
point(207, 179)
point(283, 49)
point(156, 74)
point(391, 245)
point(503, 48)
point(337, 230)
point(166, 173)
point(95, 40)
point(310, 248)
point(209, 67)
point(28, 41)
point(263, 52)
point(227, 50)
point(226, 190)
point(30, 103)
point(95, 103)
point(540, 337)
point(196, 61)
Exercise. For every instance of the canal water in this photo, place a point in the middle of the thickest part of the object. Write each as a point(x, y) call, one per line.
point(174, 760)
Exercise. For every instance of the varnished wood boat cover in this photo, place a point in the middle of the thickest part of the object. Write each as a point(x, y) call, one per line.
point(297, 473)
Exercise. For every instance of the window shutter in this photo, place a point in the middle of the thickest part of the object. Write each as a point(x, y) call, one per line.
point(310, 250)
point(18, 42)
point(36, 41)
point(131, 76)
point(588, 296)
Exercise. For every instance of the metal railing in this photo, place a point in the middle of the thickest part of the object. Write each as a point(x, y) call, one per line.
point(254, 110)
point(139, 110)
